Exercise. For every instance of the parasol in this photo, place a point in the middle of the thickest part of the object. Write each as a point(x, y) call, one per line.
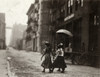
point(65, 32)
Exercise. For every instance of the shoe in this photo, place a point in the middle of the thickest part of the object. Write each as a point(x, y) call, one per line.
point(50, 71)
point(58, 70)
point(62, 71)
point(43, 71)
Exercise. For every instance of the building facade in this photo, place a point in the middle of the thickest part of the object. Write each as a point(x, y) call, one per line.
point(81, 17)
point(2, 31)
point(17, 35)
point(38, 24)
point(32, 28)
point(44, 22)
point(24, 40)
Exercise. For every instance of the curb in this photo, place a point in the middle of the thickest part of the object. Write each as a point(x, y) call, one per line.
point(8, 69)
point(10, 74)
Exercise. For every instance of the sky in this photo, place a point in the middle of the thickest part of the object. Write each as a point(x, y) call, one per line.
point(15, 12)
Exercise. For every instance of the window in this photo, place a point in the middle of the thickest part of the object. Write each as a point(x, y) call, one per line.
point(51, 18)
point(57, 14)
point(78, 3)
point(62, 11)
point(71, 2)
point(96, 20)
point(93, 32)
point(81, 3)
point(69, 6)
point(77, 35)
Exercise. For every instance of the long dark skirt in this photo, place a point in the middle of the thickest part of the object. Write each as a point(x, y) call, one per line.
point(47, 61)
point(59, 62)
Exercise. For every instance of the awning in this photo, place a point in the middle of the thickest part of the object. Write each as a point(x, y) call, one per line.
point(65, 32)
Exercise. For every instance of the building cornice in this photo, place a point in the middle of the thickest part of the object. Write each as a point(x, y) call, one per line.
point(31, 7)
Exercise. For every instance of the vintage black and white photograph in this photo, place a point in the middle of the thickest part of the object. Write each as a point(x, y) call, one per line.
point(49, 38)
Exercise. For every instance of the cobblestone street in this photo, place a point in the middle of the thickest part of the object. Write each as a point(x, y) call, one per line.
point(28, 64)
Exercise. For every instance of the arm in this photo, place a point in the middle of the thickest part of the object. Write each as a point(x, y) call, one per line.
point(57, 53)
point(43, 54)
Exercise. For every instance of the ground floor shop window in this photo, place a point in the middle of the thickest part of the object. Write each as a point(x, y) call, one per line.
point(77, 35)
point(93, 33)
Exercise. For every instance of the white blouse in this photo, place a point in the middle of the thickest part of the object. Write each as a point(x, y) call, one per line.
point(60, 52)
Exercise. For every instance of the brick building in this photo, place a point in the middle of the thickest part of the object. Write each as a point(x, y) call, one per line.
point(81, 17)
point(2, 31)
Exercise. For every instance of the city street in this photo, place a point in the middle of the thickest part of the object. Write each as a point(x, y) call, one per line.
point(69, 28)
point(28, 64)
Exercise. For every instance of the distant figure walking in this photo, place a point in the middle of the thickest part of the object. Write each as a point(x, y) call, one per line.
point(59, 60)
point(47, 63)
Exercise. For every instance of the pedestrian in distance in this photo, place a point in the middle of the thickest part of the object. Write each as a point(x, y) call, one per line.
point(59, 60)
point(47, 63)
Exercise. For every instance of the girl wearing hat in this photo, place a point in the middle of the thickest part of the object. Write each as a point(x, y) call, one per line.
point(47, 63)
point(59, 61)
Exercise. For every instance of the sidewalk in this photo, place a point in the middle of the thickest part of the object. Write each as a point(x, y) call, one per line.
point(33, 58)
point(3, 64)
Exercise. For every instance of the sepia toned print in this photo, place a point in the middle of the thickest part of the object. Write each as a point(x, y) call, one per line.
point(49, 38)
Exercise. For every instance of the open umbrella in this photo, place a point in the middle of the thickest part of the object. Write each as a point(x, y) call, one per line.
point(65, 32)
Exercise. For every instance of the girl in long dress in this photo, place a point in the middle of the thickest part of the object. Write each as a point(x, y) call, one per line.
point(59, 61)
point(47, 63)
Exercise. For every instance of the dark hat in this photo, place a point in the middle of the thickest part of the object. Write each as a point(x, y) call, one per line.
point(60, 45)
point(47, 43)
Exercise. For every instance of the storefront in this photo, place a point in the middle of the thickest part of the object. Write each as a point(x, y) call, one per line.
point(74, 26)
